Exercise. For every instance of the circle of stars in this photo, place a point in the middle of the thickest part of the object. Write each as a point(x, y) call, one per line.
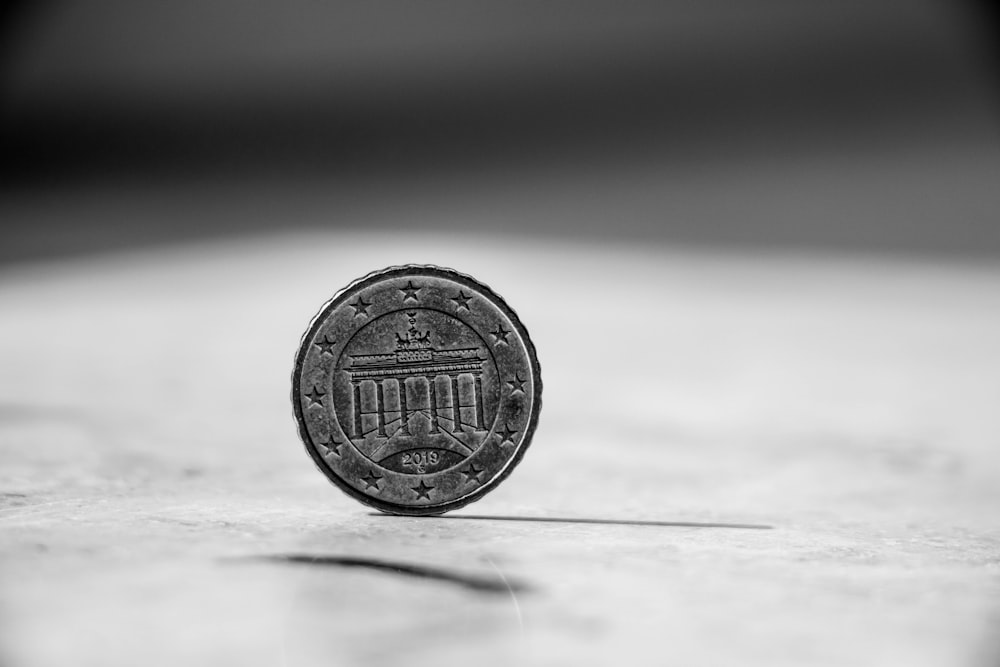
point(506, 435)
point(461, 300)
point(371, 480)
point(472, 473)
point(360, 307)
point(326, 345)
point(410, 291)
point(315, 396)
point(516, 384)
point(422, 490)
point(331, 446)
point(500, 335)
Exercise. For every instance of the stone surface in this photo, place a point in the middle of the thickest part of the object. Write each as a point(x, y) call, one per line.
point(158, 508)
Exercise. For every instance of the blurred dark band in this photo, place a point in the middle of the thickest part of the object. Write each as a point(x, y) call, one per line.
point(385, 93)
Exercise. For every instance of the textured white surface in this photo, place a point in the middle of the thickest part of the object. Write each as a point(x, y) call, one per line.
point(148, 456)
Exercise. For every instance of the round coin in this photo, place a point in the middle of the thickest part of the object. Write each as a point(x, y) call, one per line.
point(416, 389)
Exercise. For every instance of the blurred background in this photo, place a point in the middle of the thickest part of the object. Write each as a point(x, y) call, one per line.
point(862, 125)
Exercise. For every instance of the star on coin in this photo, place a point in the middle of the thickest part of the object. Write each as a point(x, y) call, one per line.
point(422, 490)
point(472, 473)
point(410, 291)
point(500, 335)
point(326, 345)
point(371, 480)
point(516, 384)
point(331, 446)
point(506, 434)
point(315, 396)
point(461, 300)
point(360, 307)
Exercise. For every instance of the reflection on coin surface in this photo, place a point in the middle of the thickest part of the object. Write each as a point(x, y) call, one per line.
point(416, 390)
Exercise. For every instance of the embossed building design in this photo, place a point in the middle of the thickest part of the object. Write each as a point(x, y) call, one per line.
point(415, 358)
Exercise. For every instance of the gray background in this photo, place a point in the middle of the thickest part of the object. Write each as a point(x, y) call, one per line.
point(857, 125)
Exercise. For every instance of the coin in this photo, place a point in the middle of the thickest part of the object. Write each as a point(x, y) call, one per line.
point(416, 389)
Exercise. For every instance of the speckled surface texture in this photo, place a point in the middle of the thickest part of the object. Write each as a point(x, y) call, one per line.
point(839, 414)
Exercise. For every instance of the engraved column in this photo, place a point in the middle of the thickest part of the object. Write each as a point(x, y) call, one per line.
point(380, 407)
point(404, 415)
point(431, 382)
point(357, 409)
point(477, 392)
point(456, 408)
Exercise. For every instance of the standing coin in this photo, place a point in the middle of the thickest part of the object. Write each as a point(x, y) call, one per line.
point(416, 390)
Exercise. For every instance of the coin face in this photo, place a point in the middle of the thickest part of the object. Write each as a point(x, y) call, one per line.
point(416, 390)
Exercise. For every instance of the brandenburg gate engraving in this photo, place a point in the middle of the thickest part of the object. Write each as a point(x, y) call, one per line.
point(416, 362)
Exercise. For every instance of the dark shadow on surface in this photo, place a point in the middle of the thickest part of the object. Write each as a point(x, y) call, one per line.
point(612, 522)
point(473, 582)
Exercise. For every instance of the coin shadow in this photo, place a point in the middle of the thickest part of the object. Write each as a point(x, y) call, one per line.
point(597, 521)
point(476, 582)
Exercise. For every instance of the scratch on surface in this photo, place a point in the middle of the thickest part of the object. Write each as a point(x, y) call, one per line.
point(473, 582)
point(513, 597)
